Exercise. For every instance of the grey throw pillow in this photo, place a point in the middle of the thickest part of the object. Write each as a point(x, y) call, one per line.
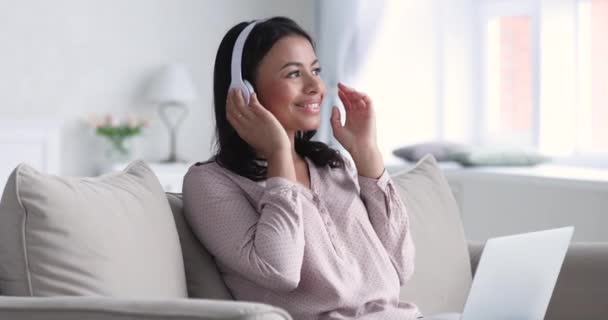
point(112, 235)
point(440, 150)
point(499, 157)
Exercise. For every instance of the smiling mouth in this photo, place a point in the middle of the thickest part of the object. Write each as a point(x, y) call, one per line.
point(309, 106)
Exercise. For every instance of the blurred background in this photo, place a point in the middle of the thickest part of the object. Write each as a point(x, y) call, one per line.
point(506, 83)
point(529, 73)
point(67, 59)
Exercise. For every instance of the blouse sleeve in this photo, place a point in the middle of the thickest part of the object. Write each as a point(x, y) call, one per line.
point(389, 218)
point(263, 242)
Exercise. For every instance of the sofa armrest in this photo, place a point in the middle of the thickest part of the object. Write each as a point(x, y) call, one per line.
point(582, 285)
point(104, 308)
point(581, 291)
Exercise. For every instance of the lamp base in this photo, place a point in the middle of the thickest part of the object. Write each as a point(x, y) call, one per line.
point(173, 160)
point(172, 114)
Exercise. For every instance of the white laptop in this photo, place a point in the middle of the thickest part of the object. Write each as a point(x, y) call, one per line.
point(515, 277)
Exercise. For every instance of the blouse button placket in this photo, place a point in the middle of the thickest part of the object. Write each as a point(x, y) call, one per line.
point(331, 229)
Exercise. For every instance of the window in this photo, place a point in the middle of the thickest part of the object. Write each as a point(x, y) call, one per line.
point(544, 75)
point(508, 73)
point(593, 75)
point(529, 73)
point(509, 79)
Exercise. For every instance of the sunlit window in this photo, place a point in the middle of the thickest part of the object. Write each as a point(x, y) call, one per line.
point(534, 74)
point(593, 76)
point(509, 100)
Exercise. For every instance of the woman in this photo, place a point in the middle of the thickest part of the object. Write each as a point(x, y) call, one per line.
point(291, 222)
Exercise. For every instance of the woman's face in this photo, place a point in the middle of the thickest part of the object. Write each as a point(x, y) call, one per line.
point(289, 85)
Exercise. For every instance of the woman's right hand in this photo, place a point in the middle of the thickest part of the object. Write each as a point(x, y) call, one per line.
point(256, 125)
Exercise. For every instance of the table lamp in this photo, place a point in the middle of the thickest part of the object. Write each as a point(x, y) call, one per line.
point(171, 89)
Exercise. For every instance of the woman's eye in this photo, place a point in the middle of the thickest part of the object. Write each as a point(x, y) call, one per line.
point(293, 74)
point(316, 71)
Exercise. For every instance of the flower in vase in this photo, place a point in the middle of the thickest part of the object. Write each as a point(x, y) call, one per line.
point(117, 130)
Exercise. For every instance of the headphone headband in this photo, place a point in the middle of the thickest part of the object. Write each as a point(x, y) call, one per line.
point(236, 75)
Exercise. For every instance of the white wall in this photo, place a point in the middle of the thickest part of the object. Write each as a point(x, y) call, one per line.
point(64, 59)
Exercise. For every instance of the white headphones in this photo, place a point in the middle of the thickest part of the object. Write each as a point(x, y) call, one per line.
point(236, 76)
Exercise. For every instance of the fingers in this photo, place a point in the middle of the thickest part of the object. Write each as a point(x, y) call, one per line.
point(351, 94)
point(236, 111)
point(353, 99)
point(260, 113)
point(231, 110)
point(336, 123)
point(345, 100)
point(335, 117)
point(344, 87)
point(365, 100)
point(241, 106)
point(254, 104)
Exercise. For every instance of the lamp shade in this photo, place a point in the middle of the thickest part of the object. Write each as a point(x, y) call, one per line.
point(171, 84)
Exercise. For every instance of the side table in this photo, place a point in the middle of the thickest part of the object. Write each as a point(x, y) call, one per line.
point(170, 175)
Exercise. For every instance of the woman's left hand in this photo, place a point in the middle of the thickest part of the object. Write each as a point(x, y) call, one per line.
point(358, 135)
point(359, 130)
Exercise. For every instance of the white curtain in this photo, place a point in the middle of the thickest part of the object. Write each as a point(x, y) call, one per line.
point(345, 30)
point(558, 77)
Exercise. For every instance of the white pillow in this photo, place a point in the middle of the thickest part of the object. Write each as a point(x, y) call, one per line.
point(112, 235)
point(442, 273)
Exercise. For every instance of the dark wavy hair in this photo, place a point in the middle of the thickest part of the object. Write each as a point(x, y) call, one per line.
point(232, 152)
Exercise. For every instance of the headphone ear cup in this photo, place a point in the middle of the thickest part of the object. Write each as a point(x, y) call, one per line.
point(247, 90)
point(249, 87)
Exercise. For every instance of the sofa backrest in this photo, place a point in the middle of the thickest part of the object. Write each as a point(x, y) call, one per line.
point(442, 273)
point(202, 275)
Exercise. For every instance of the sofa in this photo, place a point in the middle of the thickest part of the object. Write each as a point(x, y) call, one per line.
point(118, 247)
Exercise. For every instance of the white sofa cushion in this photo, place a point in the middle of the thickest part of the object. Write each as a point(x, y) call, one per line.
point(442, 275)
point(112, 235)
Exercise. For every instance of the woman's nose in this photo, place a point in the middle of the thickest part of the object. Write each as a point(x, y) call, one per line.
point(314, 84)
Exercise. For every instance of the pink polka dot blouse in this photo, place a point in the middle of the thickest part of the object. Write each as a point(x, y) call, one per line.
point(339, 250)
